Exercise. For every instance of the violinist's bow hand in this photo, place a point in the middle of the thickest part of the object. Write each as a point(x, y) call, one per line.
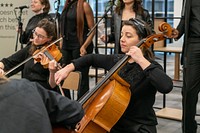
point(53, 66)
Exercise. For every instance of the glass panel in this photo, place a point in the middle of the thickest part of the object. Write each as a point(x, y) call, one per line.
point(159, 7)
point(103, 6)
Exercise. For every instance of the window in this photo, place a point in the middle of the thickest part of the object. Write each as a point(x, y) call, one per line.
point(103, 6)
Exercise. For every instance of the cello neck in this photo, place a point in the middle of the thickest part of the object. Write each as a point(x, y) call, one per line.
point(113, 70)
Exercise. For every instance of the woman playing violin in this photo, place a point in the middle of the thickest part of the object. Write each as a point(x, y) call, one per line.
point(144, 75)
point(32, 70)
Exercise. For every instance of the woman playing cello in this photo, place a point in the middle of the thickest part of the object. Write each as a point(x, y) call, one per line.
point(144, 75)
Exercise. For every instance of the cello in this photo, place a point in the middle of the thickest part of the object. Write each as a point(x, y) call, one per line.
point(106, 103)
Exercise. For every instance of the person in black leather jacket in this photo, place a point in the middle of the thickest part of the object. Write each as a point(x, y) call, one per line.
point(145, 76)
point(125, 10)
point(27, 107)
point(41, 9)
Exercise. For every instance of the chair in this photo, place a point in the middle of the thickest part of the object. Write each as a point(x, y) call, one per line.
point(72, 82)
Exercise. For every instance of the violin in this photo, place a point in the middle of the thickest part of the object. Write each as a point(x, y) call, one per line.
point(35, 55)
point(106, 103)
point(47, 55)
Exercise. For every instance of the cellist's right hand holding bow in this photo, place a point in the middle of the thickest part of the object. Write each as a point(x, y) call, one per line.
point(63, 73)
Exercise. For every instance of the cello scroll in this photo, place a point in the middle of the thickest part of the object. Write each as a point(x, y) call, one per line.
point(166, 32)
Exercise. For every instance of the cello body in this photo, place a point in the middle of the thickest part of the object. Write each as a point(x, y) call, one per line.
point(108, 106)
point(104, 108)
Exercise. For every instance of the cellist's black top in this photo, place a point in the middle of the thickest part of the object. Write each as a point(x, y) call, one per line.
point(143, 85)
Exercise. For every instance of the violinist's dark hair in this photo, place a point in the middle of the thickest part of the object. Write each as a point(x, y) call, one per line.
point(137, 7)
point(49, 28)
point(143, 30)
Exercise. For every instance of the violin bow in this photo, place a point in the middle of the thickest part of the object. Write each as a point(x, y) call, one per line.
point(32, 56)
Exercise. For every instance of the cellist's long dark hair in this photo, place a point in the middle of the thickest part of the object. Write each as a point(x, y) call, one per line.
point(80, 18)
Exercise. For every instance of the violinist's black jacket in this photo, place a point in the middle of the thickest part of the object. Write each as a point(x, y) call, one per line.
point(143, 85)
point(27, 107)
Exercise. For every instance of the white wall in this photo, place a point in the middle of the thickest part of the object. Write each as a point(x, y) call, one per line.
point(8, 24)
point(177, 10)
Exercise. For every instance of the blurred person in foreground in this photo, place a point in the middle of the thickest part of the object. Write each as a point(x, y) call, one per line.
point(27, 107)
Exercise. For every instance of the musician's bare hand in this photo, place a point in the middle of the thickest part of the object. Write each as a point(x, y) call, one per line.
point(1, 71)
point(83, 51)
point(175, 33)
point(103, 38)
point(63, 73)
point(1, 68)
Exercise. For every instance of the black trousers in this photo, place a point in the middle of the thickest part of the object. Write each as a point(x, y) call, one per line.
point(68, 56)
point(191, 86)
point(133, 127)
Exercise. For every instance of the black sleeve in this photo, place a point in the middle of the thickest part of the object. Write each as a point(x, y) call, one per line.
point(15, 59)
point(27, 34)
point(112, 35)
point(61, 109)
point(181, 27)
point(97, 60)
point(158, 78)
